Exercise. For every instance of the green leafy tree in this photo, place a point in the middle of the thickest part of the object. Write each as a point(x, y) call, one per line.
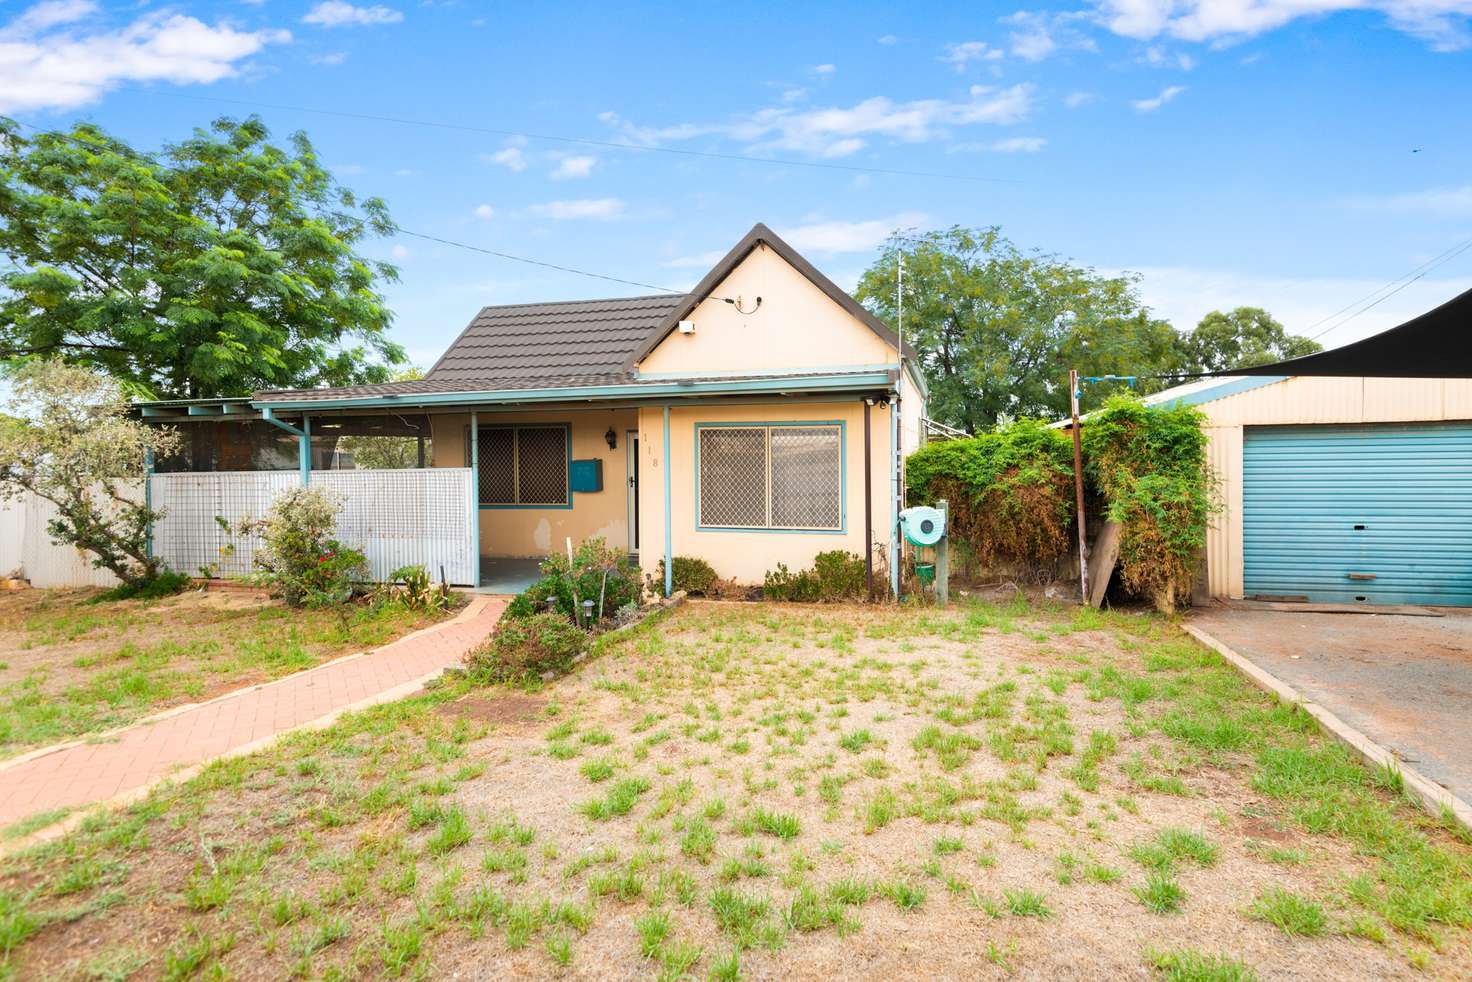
point(217, 266)
point(72, 442)
point(1243, 338)
point(997, 329)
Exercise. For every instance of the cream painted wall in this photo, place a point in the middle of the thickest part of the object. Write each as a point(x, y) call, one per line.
point(538, 531)
point(797, 326)
point(747, 556)
point(1303, 400)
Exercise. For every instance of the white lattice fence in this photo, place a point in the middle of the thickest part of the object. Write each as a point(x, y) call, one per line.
point(44, 562)
point(402, 517)
point(190, 538)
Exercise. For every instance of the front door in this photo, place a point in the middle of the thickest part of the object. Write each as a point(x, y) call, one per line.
point(631, 447)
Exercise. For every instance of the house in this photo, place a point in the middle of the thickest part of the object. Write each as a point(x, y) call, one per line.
point(1344, 489)
point(759, 419)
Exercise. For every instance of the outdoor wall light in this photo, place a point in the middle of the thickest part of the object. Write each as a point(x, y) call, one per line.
point(612, 439)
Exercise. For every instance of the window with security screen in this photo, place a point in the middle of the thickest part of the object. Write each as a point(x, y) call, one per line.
point(786, 477)
point(522, 465)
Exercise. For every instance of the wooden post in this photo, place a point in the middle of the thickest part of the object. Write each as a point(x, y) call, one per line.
point(1078, 488)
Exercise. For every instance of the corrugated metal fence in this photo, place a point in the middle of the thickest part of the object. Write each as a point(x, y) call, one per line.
point(397, 517)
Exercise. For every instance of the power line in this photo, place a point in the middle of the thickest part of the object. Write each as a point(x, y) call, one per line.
point(1440, 259)
point(583, 141)
point(399, 229)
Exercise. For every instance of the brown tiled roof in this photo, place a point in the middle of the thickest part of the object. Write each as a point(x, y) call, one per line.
point(550, 341)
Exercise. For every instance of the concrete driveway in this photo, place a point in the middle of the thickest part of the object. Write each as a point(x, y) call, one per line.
point(1403, 681)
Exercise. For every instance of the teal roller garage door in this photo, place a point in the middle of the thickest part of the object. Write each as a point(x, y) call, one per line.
point(1359, 514)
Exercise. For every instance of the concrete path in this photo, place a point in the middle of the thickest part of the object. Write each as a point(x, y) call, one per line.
point(126, 763)
point(1405, 682)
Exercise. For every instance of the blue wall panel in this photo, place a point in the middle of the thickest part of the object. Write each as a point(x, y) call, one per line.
point(1359, 514)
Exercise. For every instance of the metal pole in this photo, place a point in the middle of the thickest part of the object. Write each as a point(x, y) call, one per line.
point(305, 443)
point(943, 557)
point(898, 550)
point(868, 509)
point(669, 545)
point(148, 499)
point(1078, 486)
point(475, 498)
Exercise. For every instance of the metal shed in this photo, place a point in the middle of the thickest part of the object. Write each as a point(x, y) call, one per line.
point(1339, 489)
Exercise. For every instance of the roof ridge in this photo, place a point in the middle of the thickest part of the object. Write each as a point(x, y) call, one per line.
point(673, 297)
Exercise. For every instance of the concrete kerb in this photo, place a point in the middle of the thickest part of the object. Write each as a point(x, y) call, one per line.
point(133, 795)
point(1432, 797)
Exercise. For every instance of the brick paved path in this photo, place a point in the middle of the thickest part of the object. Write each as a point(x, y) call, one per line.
point(135, 758)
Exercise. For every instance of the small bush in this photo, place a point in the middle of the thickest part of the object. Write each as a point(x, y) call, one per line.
point(417, 591)
point(166, 584)
point(596, 569)
point(523, 648)
point(689, 574)
point(836, 575)
point(299, 559)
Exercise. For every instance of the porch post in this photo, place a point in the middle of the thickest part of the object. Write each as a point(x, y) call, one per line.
point(895, 549)
point(669, 545)
point(475, 495)
point(304, 442)
point(148, 499)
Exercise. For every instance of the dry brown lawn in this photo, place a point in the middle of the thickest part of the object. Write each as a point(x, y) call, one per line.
point(760, 791)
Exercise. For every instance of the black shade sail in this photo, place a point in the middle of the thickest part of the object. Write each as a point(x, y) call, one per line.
point(1437, 344)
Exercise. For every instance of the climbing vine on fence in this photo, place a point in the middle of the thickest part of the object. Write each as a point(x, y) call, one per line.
point(1150, 465)
point(1010, 491)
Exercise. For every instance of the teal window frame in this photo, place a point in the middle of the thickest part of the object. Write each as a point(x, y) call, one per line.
point(842, 427)
point(566, 429)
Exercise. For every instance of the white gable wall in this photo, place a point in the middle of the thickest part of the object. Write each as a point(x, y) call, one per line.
point(798, 326)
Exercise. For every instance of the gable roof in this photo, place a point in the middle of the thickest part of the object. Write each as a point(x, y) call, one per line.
point(760, 235)
point(578, 340)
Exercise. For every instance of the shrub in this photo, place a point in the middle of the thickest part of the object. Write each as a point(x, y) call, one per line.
point(165, 584)
point(1010, 492)
point(523, 648)
point(596, 569)
point(689, 574)
point(1150, 465)
point(299, 558)
point(417, 591)
point(836, 575)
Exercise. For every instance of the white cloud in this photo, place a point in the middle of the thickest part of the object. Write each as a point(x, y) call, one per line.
point(1155, 102)
point(399, 253)
point(54, 57)
point(1444, 203)
point(598, 209)
point(825, 69)
point(960, 55)
point(836, 131)
point(332, 59)
point(337, 13)
point(834, 237)
point(573, 167)
point(889, 39)
point(1015, 144)
point(793, 95)
point(484, 211)
point(1441, 23)
point(512, 158)
point(1184, 295)
point(1037, 35)
point(704, 260)
point(1076, 99)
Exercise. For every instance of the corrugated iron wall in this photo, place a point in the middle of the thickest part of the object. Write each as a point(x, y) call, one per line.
point(1298, 401)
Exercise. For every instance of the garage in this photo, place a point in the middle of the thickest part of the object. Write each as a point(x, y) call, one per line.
point(1359, 514)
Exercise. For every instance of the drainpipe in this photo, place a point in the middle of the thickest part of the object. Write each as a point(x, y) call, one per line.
point(669, 545)
point(304, 441)
point(868, 506)
point(475, 496)
point(894, 495)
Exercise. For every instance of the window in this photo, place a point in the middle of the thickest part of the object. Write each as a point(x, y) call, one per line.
point(779, 476)
point(522, 465)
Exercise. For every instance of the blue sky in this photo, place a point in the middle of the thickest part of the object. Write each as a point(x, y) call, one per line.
point(1230, 151)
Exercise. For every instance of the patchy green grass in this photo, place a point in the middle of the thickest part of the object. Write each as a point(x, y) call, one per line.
point(732, 788)
point(81, 666)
